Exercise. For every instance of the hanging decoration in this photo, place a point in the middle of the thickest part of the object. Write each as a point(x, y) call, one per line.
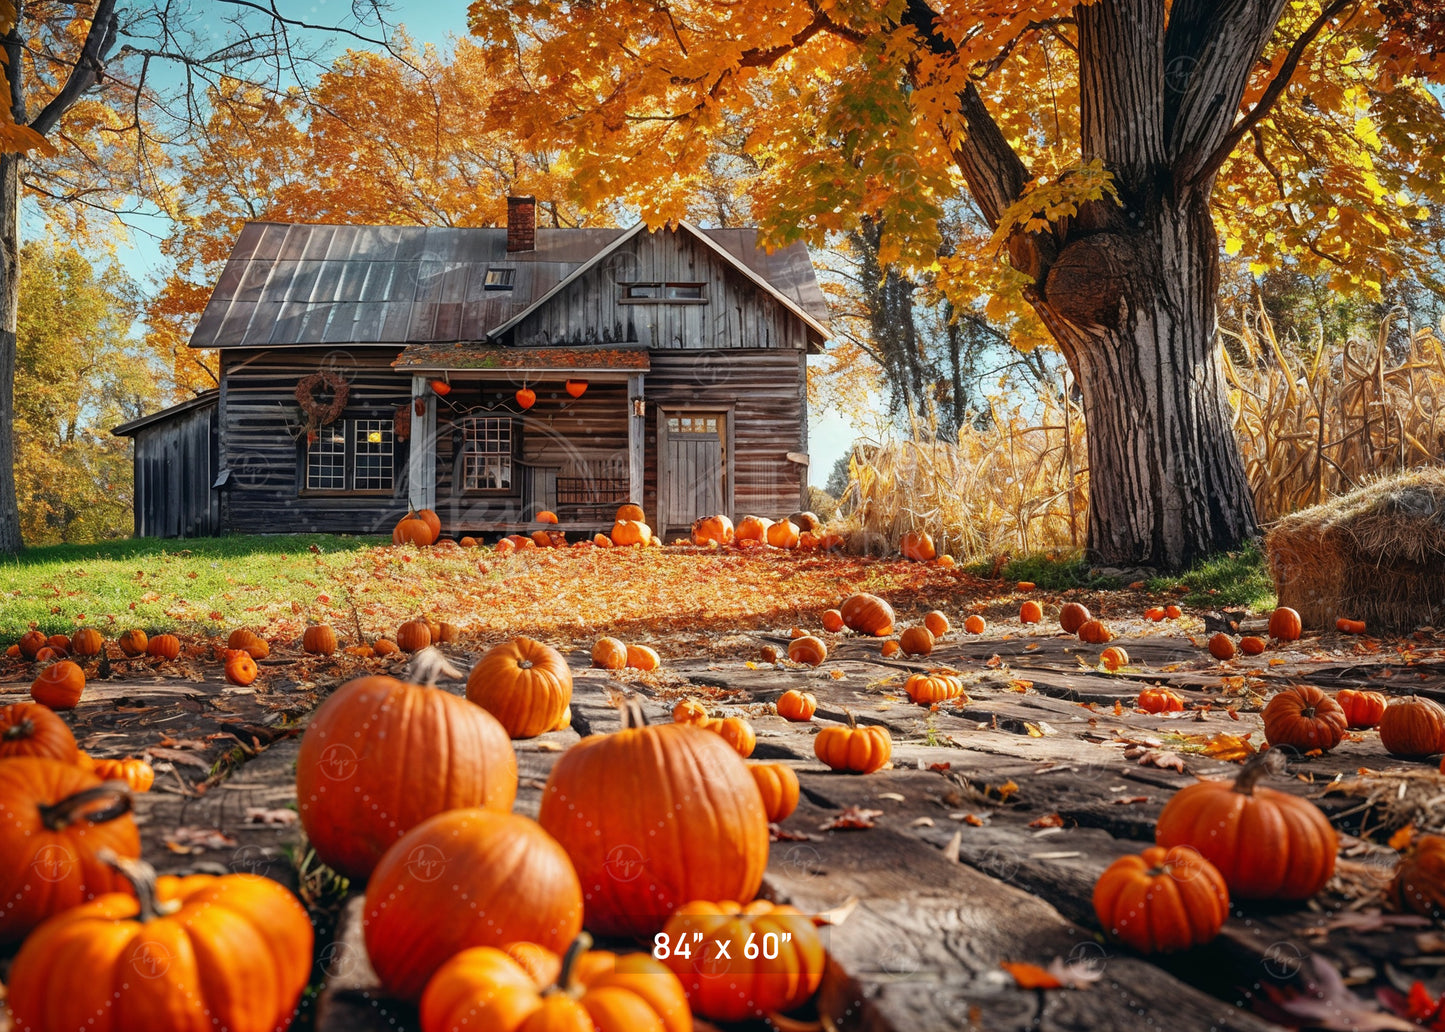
point(576, 388)
point(401, 423)
point(526, 397)
point(441, 388)
point(318, 412)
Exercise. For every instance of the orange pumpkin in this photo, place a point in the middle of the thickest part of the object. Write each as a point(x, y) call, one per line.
point(1162, 900)
point(936, 623)
point(1155, 613)
point(1221, 646)
point(751, 528)
point(484, 988)
point(797, 706)
point(1031, 612)
point(778, 785)
point(227, 953)
point(87, 642)
point(601, 540)
point(1267, 844)
point(609, 654)
point(643, 657)
point(1284, 624)
point(631, 532)
point(689, 711)
point(30, 643)
point(1345, 626)
point(468, 542)
point(164, 646)
point(1160, 700)
point(524, 684)
point(769, 654)
point(774, 979)
point(1114, 658)
point(889, 649)
point(1074, 615)
point(59, 642)
point(240, 667)
point(832, 541)
point(712, 530)
point(413, 636)
point(1173, 612)
point(1252, 645)
point(918, 546)
point(858, 750)
point(783, 534)
point(737, 732)
point(132, 642)
point(807, 649)
point(466, 878)
point(975, 624)
point(1095, 632)
point(379, 756)
point(1362, 710)
point(934, 686)
point(546, 516)
point(138, 775)
point(1413, 727)
point(59, 686)
point(867, 614)
point(55, 818)
point(384, 647)
point(411, 530)
point(319, 640)
point(693, 827)
point(504, 546)
point(1419, 882)
point(631, 511)
point(1305, 718)
point(249, 642)
point(30, 729)
point(433, 523)
point(832, 621)
point(916, 641)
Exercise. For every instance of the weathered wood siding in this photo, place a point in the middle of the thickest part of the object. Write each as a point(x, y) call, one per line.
point(175, 465)
point(736, 313)
point(258, 419)
point(760, 391)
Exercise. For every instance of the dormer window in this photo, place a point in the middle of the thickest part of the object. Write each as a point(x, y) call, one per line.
point(499, 277)
point(685, 293)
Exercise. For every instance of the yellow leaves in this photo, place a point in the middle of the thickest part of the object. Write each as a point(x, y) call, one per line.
point(1230, 748)
point(1043, 204)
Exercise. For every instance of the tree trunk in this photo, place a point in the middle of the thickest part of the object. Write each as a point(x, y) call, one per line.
point(10, 541)
point(1134, 314)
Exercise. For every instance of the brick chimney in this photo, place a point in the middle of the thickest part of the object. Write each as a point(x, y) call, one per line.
point(521, 224)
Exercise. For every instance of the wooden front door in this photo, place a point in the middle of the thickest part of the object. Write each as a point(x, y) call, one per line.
point(694, 467)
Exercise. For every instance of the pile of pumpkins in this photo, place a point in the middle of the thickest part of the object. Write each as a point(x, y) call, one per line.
point(801, 530)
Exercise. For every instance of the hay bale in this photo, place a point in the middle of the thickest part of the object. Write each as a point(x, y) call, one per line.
point(1375, 554)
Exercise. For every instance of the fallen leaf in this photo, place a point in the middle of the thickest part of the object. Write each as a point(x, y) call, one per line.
point(1048, 820)
point(198, 840)
point(1325, 1002)
point(1058, 975)
point(1227, 747)
point(940, 766)
point(177, 756)
point(1031, 976)
point(851, 818)
point(1161, 758)
point(1403, 837)
point(263, 815)
point(1131, 800)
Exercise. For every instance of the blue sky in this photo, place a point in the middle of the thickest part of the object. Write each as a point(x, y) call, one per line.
point(434, 21)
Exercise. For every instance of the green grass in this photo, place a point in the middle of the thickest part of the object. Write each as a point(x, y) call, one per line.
point(1051, 571)
point(1229, 579)
point(150, 584)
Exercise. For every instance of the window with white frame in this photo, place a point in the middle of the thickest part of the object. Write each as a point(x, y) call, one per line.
point(487, 456)
point(352, 455)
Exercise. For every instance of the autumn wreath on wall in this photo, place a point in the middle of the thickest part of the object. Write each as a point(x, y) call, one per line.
point(322, 397)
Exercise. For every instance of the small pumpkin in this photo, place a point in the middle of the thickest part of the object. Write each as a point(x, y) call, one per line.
point(631, 511)
point(609, 654)
point(384, 647)
point(138, 775)
point(601, 540)
point(413, 636)
point(1221, 646)
point(524, 684)
point(807, 521)
point(1345, 626)
point(1074, 615)
point(712, 530)
point(1362, 710)
point(1419, 882)
point(230, 953)
point(858, 750)
point(484, 988)
point(1114, 658)
point(132, 642)
point(546, 516)
point(916, 641)
point(751, 528)
point(783, 534)
point(765, 984)
point(1162, 900)
point(832, 621)
point(1284, 624)
point(468, 541)
point(504, 546)
point(249, 642)
point(1413, 727)
point(1252, 645)
point(1160, 700)
point(319, 640)
point(643, 657)
point(1173, 612)
point(631, 532)
point(736, 732)
point(769, 654)
point(87, 642)
point(807, 649)
point(889, 649)
point(796, 706)
point(1305, 718)
point(59, 642)
point(411, 530)
point(689, 711)
point(867, 614)
point(433, 523)
point(1155, 613)
point(1095, 632)
point(918, 546)
point(240, 668)
point(936, 623)
point(1031, 612)
point(934, 686)
point(164, 646)
point(55, 819)
point(778, 784)
point(30, 643)
point(59, 685)
point(975, 624)
point(1267, 844)
point(31, 729)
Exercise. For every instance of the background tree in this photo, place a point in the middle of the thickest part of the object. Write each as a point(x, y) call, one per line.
point(1099, 141)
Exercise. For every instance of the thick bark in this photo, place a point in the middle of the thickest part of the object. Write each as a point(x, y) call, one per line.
point(10, 541)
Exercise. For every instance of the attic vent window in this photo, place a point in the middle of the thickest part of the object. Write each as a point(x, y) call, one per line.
point(684, 293)
point(499, 278)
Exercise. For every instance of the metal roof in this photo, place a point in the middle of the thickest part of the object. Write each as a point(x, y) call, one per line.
point(199, 401)
point(295, 283)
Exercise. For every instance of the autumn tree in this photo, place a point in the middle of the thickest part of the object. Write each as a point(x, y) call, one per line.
point(1106, 144)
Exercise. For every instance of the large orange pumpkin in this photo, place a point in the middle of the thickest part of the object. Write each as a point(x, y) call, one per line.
point(807, 649)
point(631, 532)
point(918, 546)
point(55, 818)
point(524, 684)
point(411, 529)
point(432, 521)
point(31, 729)
point(859, 750)
point(783, 534)
point(934, 686)
point(867, 614)
point(783, 971)
point(132, 642)
point(30, 643)
point(1284, 624)
point(1162, 900)
point(751, 528)
point(87, 642)
point(1413, 727)
point(916, 641)
point(1362, 709)
point(319, 640)
point(164, 646)
point(1305, 718)
point(708, 530)
point(1072, 616)
point(779, 787)
point(229, 953)
point(1419, 882)
point(380, 756)
point(693, 826)
point(1030, 612)
point(59, 685)
point(466, 878)
point(484, 988)
point(609, 654)
point(1267, 844)
point(937, 623)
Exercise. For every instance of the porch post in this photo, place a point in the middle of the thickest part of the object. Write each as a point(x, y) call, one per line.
point(422, 469)
point(636, 428)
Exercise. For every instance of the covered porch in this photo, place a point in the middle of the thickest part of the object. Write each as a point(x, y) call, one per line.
point(498, 435)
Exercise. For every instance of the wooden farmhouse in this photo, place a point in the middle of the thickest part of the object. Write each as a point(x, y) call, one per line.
point(489, 374)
